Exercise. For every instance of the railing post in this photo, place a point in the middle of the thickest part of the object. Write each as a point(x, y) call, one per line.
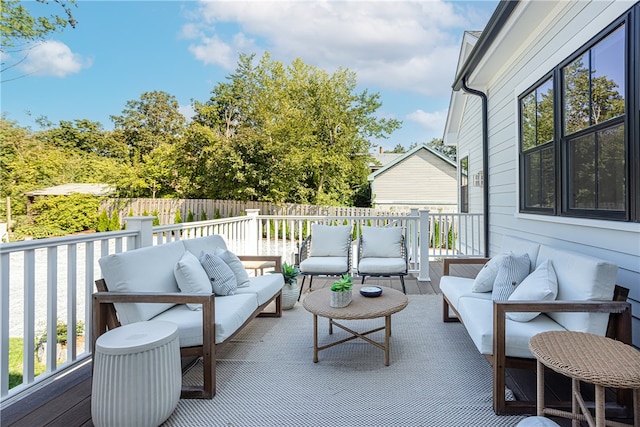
point(144, 226)
point(424, 246)
point(251, 237)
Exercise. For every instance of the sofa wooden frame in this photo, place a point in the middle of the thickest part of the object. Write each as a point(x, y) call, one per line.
point(105, 318)
point(619, 328)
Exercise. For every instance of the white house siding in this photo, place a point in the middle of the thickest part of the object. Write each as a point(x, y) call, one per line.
point(470, 144)
point(566, 27)
point(421, 180)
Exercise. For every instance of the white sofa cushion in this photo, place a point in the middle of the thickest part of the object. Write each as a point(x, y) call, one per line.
point(541, 285)
point(191, 277)
point(234, 263)
point(477, 316)
point(381, 242)
point(222, 279)
point(264, 287)
point(382, 266)
point(454, 287)
point(207, 244)
point(325, 265)
point(487, 274)
point(513, 269)
point(148, 269)
point(230, 313)
point(581, 278)
point(330, 240)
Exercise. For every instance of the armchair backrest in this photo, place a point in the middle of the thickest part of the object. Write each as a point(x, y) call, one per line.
point(381, 242)
point(330, 240)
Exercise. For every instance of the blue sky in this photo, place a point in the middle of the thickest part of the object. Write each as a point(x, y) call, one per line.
point(406, 51)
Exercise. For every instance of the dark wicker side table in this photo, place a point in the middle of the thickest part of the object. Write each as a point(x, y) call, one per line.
point(594, 359)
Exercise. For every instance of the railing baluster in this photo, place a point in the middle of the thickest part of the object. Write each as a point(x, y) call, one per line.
point(29, 316)
point(52, 308)
point(5, 263)
point(72, 282)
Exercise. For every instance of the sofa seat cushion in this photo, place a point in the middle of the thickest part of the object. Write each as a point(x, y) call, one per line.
point(148, 269)
point(263, 287)
point(325, 265)
point(581, 278)
point(230, 314)
point(477, 316)
point(382, 266)
point(454, 288)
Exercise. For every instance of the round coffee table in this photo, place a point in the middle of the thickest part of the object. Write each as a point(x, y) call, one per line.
point(390, 302)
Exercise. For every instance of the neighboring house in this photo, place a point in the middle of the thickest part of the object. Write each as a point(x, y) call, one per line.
point(545, 114)
point(68, 189)
point(420, 178)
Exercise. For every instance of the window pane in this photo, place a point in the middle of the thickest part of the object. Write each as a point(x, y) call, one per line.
point(582, 172)
point(576, 95)
point(528, 106)
point(545, 112)
point(540, 180)
point(611, 169)
point(607, 77)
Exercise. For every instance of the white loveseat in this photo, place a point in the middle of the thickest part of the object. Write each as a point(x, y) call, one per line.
point(143, 284)
point(583, 301)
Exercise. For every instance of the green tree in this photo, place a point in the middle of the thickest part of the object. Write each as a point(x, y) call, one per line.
point(156, 220)
point(177, 219)
point(103, 221)
point(189, 216)
point(283, 133)
point(448, 150)
point(114, 222)
point(61, 215)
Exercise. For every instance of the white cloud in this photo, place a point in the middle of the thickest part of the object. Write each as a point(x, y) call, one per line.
point(53, 58)
point(406, 45)
point(429, 121)
point(187, 111)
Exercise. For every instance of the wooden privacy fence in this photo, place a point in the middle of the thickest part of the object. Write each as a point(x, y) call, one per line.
point(204, 209)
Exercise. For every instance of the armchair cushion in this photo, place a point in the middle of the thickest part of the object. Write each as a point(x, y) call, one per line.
point(541, 285)
point(191, 277)
point(222, 279)
point(234, 263)
point(381, 242)
point(325, 265)
point(382, 266)
point(330, 240)
point(512, 271)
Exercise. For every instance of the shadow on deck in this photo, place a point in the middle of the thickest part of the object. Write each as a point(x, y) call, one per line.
point(67, 401)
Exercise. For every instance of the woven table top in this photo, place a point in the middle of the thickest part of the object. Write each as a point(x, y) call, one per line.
point(391, 301)
point(591, 358)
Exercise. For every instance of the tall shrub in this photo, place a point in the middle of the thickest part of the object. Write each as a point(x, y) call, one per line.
point(103, 221)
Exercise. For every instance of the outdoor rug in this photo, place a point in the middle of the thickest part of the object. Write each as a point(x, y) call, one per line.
point(266, 376)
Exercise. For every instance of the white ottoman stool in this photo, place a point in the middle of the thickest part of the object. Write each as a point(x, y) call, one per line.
point(136, 375)
point(537, 422)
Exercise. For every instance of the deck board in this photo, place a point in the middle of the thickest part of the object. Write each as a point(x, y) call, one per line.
point(67, 402)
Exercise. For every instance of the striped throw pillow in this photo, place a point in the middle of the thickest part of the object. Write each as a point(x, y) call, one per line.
point(223, 281)
point(512, 271)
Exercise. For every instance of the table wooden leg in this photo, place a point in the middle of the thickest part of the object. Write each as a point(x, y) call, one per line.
point(636, 407)
point(540, 389)
point(315, 338)
point(387, 335)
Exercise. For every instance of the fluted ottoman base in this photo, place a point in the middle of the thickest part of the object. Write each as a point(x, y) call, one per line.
point(136, 375)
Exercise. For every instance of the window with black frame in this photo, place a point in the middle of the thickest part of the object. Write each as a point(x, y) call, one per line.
point(594, 129)
point(537, 159)
point(579, 143)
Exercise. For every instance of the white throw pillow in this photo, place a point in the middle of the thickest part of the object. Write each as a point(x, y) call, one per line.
point(381, 242)
point(234, 263)
point(487, 275)
point(222, 279)
point(330, 240)
point(512, 271)
point(191, 277)
point(541, 285)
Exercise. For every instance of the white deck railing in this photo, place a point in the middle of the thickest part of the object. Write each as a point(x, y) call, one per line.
point(48, 281)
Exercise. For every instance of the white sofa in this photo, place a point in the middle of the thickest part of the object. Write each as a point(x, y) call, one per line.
point(141, 285)
point(583, 302)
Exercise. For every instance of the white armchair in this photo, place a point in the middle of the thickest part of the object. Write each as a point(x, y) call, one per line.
point(326, 251)
point(382, 252)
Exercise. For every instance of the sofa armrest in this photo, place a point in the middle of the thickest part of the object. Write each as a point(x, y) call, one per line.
point(447, 262)
point(275, 258)
point(103, 300)
point(621, 309)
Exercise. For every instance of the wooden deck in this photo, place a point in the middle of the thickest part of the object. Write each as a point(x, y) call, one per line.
point(67, 401)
